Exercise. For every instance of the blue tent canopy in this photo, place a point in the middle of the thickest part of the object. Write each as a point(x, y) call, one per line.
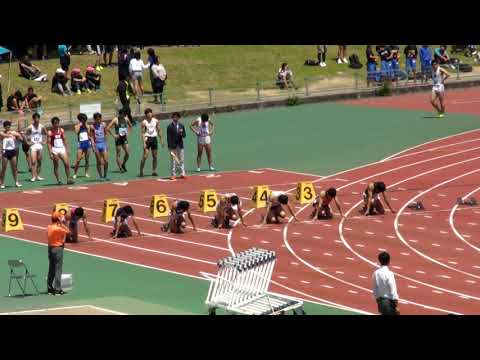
point(4, 50)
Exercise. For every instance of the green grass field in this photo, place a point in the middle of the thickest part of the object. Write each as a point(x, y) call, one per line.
point(193, 70)
point(302, 138)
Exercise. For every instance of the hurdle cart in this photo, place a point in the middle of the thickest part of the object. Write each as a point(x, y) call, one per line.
point(241, 286)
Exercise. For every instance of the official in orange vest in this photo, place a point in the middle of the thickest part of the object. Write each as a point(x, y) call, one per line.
point(56, 234)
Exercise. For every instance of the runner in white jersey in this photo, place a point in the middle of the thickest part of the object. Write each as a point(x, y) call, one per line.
point(203, 128)
point(275, 202)
point(9, 152)
point(229, 208)
point(439, 75)
point(150, 131)
point(36, 137)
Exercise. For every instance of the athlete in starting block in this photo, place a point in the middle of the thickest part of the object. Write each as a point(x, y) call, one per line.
point(176, 223)
point(321, 205)
point(120, 223)
point(229, 208)
point(371, 198)
point(275, 202)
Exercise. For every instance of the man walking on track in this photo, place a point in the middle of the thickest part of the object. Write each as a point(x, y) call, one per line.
point(385, 287)
point(37, 137)
point(56, 233)
point(150, 132)
point(98, 135)
point(439, 76)
point(58, 149)
point(122, 124)
point(175, 135)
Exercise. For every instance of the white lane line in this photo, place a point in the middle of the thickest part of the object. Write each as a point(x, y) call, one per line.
point(327, 225)
point(327, 254)
point(405, 254)
point(348, 229)
point(476, 266)
point(338, 241)
point(347, 203)
point(453, 262)
point(435, 244)
point(327, 286)
point(369, 233)
point(318, 237)
point(362, 277)
point(282, 277)
point(360, 245)
point(394, 199)
point(382, 249)
point(265, 242)
point(297, 233)
point(397, 267)
point(244, 237)
point(353, 292)
point(420, 272)
point(427, 216)
point(467, 236)
point(413, 241)
point(350, 258)
point(306, 250)
point(412, 286)
point(420, 228)
point(305, 282)
point(437, 292)
point(391, 237)
point(470, 281)
point(442, 195)
point(444, 276)
point(378, 221)
point(459, 249)
point(277, 230)
point(294, 263)
point(339, 272)
point(472, 223)
point(435, 205)
point(443, 232)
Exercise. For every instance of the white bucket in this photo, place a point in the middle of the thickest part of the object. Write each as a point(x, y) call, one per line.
point(67, 282)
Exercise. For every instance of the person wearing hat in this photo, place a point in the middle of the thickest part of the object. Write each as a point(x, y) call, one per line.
point(56, 234)
point(60, 83)
point(79, 82)
point(93, 78)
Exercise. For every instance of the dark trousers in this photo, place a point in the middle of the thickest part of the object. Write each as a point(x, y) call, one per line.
point(157, 87)
point(65, 63)
point(128, 111)
point(55, 265)
point(387, 306)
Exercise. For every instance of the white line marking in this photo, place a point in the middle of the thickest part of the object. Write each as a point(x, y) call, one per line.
point(394, 199)
point(360, 245)
point(467, 236)
point(265, 242)
point(443, 232)
point(348, 229)
point(306, 250)
point(442, 195)
point(350, 258)
point(378, 221)
point(391, 237)
point(435, 205)
point(437, 292)
point(282, 277)
point(327, 254)
point(362, 277)
point(353, 292)
point(297, 233)
point(244, 238)
point(435, 244)
point(369, 233)
point(338, 241)
point(413, 241)
point(327, 286)
point(120, 183)
point(32, 192)
point(405, 254)
point(318, 237)
point(346, 203)
point(339, 272)
point(453, 262)
point(420, 228)
point(472, 223)
point(397, 267)
point(305, 282)
point(294, 263)
point(470, 281)
point(420, 272)
point(295, 172)
point(278, 230)
point(412, 287)
point(459, 249)
point(255, 172)
point(444, 276)
point(427, 216)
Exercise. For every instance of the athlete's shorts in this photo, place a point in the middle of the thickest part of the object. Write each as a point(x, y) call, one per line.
point(9, 154)
point(59, 150)
point(152, 143)
point(101, 147)
point(122, 140)
point(204, 140)
point(440, 88)
point(137, 75)
point(84, 145)
point(36, 147)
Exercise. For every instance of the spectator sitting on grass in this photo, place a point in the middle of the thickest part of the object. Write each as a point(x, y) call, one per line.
point(78, 82)
point(32, 101)
point(441, 56)
point(60, 83)
point(93, 78)
point(285, 77)
point(31, 71)
point(15, 102)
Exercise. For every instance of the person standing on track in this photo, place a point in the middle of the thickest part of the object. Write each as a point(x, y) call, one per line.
point(122, 124)
point(99, 137)
point(439, 75)
point(23, 143)
point(321, 205)
point(9, 153)
point(203, 128)
point(83, 131)
point(175, 135)
point(150, 132)
point(229, 208)
point(371, 198)
point(385, 287)
point(275, 202)
point(176, 221)
point(120, 223)
point(58, 149)
point(36, 135)
point(56, 233)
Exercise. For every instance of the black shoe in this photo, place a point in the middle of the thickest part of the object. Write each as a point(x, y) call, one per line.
point(60, 292)
point(154, 174)
point(51, 292)
point(124, 168)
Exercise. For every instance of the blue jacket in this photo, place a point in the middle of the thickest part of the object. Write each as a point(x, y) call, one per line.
point(425, 55)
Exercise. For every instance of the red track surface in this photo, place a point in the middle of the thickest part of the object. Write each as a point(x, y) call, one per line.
point(456, 101)
point(436, 260)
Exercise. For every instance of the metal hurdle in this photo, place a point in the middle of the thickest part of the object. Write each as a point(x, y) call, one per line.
point(241, 286)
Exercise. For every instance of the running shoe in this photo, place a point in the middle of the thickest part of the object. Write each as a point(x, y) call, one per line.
point(345, 60)
point(2, 186)
point(87, 175)
point(17, 184)
point(124, 168)
point(79, 92)
point(212, 168)
point(70, 182)
point(74, 176)
point(339, 61)
point(40, 178)
point(33, 179)
point(441, 115)
point(198, 170)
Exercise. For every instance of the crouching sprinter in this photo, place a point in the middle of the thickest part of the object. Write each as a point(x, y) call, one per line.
point(371, 198)
point(120, 225)
point(275, 203)
point(321, 205)
point(229, 208)
point(176, 222)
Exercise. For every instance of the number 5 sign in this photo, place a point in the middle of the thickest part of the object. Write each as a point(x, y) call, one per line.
point(11, 220)
point(208, 201)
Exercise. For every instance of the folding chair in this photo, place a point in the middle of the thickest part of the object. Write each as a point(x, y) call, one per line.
point(20, 275)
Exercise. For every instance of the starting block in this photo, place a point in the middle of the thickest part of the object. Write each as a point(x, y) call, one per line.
point(208, 201)
point(11, 220)
point(260, 196)
point(159, 206)
point(305, 192)
point(110, 207)
point(416, 205)
point(470, 202)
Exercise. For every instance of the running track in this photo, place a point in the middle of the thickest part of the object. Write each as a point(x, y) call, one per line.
point(435, 253)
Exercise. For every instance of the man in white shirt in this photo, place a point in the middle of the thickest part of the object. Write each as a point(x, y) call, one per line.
point(385, 287)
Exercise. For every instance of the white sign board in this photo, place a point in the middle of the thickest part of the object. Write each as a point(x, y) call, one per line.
point(90, 109)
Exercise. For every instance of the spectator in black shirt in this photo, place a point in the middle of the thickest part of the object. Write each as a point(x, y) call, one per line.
point(31, 71)
point(124, 90)
point(32, 101)
point(123, 63)
point(386, 61)
point(395, 50)
point(93, 78)
point(60, 83)
point(371, 65)
point(15, 102)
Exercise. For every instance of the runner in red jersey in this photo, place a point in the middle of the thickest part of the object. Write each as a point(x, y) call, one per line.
point(58, 149)
point(321, 205)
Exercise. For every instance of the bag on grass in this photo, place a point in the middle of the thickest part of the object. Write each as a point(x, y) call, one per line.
point(465, 67)
point(310, 62)
point(354, 61)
